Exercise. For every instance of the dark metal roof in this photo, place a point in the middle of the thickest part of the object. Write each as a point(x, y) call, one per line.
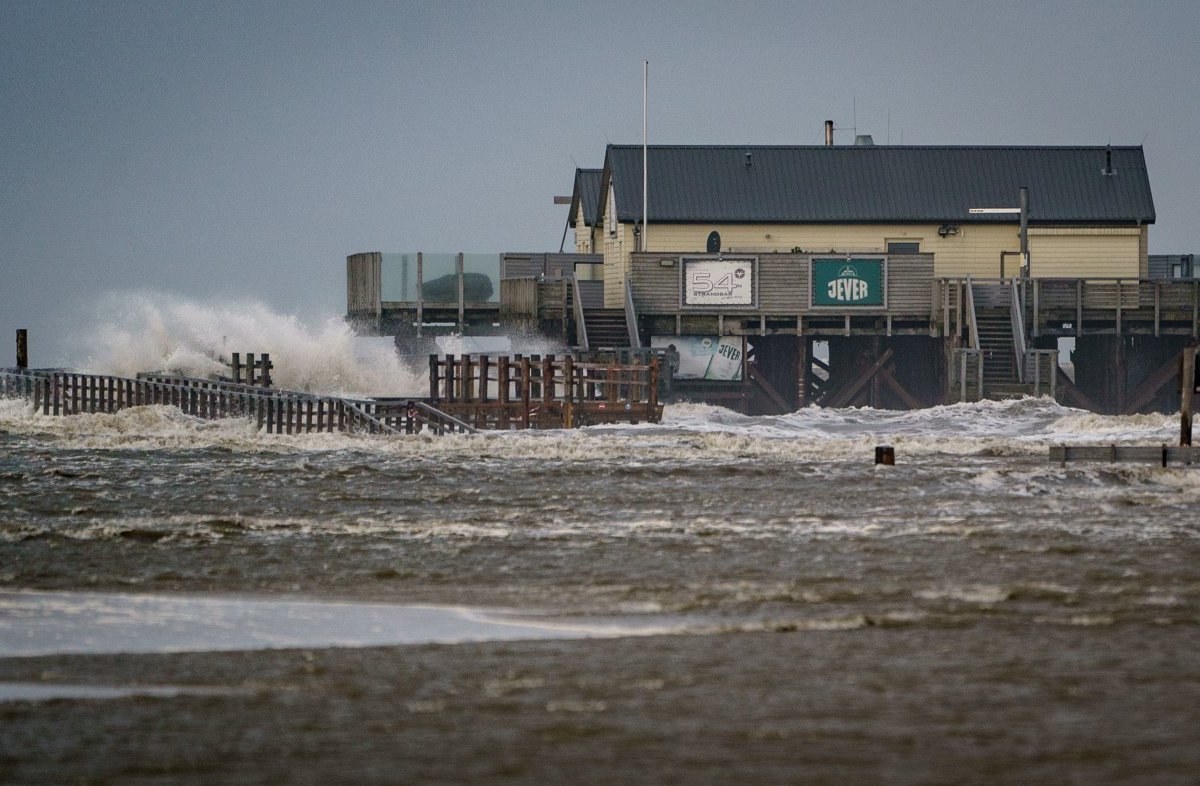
point(880, 183)
point(587, 190)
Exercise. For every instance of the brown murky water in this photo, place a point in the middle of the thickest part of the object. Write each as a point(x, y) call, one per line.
point(972, 614)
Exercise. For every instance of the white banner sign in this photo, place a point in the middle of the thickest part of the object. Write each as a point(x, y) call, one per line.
point(703, 357)
point(718, 282)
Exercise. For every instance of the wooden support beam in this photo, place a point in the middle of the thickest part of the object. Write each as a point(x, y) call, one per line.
point(802, 371)
point(1070, 393)
point(843, 397)
point(756, 376)
point(1151, 386)
point(890, 380)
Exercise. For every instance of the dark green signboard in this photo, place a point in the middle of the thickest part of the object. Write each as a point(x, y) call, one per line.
point(847, 282)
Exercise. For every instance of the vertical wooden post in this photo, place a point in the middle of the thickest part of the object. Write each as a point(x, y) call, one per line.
point(249, 368)
point(235, 367)
point(266, 370)
point(22, 348)
point(466, 389)
point(547, 386)
point(875, 376)
point(502, 383)
point(526, 383)
point(1187, 389)
point(1119, 370)
point(568, 392)
point(434, 369)
point(652, 393)
point(450, 378)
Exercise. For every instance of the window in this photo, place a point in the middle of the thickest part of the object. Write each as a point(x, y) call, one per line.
point(904, 247)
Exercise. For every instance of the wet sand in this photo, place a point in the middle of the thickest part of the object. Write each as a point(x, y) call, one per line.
point(889, 704)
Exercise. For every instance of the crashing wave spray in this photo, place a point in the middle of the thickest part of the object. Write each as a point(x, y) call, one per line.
point(159, 332)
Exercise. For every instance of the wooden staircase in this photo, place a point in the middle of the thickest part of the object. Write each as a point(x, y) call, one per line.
point(994, 323)
point(999, 353)
point(606, 327)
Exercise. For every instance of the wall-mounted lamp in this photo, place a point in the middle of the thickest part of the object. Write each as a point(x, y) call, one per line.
point(946, 230)
point(666, 262)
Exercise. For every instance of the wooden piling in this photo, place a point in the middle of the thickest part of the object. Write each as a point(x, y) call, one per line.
point(22, 348)
point(1187, 389)
point(885, 454)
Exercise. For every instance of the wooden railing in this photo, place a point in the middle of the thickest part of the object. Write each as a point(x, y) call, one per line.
point(1151, 302)
point(1039, 370)
point(966, 378)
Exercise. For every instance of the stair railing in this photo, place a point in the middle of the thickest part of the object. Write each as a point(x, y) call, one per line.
point(581, 336)
point(631, 325)
point(1018, 330)
point(972, 326)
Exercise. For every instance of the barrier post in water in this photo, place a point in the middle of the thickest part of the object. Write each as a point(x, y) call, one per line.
point(22, 348)
point(885, 455)
point(1187, 390)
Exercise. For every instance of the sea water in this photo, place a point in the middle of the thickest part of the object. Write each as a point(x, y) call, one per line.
point(710, 520)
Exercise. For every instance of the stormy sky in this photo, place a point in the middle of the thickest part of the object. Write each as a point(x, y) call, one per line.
point(239, 151)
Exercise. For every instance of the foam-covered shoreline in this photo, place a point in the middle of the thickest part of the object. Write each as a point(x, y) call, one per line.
point(694, 432)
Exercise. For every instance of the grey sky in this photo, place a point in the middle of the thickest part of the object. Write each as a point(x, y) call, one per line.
point(244, 149)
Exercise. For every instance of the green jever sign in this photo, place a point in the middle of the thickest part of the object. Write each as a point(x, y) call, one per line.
point(847, 282)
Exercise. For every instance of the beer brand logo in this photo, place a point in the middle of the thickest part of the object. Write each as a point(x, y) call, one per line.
point(848, 287)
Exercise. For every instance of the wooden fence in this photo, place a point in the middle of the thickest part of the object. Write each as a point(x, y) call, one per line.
point(543, 391)
point(276, 411)
point(467, 393)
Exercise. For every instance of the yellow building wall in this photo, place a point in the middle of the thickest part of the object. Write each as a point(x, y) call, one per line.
point(1082, 252)
point(587, 239)
point(974, 251)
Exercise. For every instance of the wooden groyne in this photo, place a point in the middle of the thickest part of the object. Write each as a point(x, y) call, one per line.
point(467, 393)
point(545, 391)
point(275, 411)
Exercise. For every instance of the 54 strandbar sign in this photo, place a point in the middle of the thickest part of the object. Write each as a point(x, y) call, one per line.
point(718, 282)
point(847, 282)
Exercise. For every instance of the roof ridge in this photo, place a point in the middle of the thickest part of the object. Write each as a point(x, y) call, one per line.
point(875, 147)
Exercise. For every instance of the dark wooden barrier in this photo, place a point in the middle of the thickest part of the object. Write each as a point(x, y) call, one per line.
point(467, 393)
point(543, 391)
point(276, 411)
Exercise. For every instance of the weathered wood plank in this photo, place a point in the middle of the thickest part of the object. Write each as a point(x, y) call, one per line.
point(1163, 455)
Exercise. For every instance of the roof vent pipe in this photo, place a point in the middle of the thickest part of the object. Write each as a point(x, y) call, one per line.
point(864, 139)
point(1108, 167)
point(828, 133)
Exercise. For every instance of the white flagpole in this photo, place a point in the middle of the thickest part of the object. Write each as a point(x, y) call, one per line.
point(645, 153)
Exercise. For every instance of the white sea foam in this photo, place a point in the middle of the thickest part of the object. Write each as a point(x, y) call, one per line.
point(691, 432)
point(158, 332)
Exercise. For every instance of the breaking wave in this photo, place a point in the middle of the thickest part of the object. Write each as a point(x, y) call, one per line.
point(158, 332)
